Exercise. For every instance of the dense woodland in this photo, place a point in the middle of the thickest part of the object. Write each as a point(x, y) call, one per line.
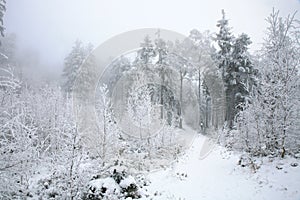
point(247, 102)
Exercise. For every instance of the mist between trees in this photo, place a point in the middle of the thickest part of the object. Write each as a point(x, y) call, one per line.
point(208, 82)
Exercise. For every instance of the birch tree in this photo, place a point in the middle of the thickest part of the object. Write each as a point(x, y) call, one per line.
point(272, 112)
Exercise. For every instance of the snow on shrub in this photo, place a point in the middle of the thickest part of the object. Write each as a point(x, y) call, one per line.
point(130, 188)
point(100, 188)
point(116, 185)
point(127, 182)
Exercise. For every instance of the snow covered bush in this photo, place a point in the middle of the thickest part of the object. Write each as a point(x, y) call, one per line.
point(106, 188)
point(115, 183)
point(18, 139)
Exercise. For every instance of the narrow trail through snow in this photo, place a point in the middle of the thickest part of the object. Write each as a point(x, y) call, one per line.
point(208, 174)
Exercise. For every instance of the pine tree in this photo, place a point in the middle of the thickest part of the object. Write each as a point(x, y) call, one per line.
point(147, 50)
point(243, 64)
point(86, 78)
point(72, 66)
point(236, 67)
point(225, 40)
point(238, 76)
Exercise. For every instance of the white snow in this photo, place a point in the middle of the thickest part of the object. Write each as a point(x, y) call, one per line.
point(127, 182)
point(216, 175)
point(109, 183)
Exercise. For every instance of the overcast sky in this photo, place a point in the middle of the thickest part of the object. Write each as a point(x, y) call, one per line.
point(49, 27)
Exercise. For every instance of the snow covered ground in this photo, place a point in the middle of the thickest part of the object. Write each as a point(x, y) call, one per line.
point(218, 176)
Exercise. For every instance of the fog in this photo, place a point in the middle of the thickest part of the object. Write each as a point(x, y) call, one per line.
point(157, 107)
point(46, 30)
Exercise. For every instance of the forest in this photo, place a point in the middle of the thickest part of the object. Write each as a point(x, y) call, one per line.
point(98, 133)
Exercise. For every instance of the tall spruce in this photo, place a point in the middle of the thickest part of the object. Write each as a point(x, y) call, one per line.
point(235, 66)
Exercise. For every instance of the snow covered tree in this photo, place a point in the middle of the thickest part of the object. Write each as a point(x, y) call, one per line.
point(85, 81)
point(118, 68)
point(147, 50)
point(144, 60)
point(272, 112)
point(182, 68)
point(14, 139)
point(207, 98)
point(160, 48)
point(161, 65)
point(200, 51)
point(235, 66)
point(59, 145)
point(140, 108)
point(7, 49)
point(2, 10)
point(281, 77)
point(152, 60)
point(17, 150)
point(224, 39)
point(243, 65)
point(213, 84)
point(108, 132)
point(239, 76)
point(72, 66)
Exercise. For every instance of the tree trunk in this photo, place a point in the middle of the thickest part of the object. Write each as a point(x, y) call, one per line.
point(230, 106)
point(104, 137)
point(206, 113)
point(199, 96)
point(161, 94)
point(180, 107)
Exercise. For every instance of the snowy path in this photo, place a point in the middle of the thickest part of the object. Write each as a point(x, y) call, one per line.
point(217, 176)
